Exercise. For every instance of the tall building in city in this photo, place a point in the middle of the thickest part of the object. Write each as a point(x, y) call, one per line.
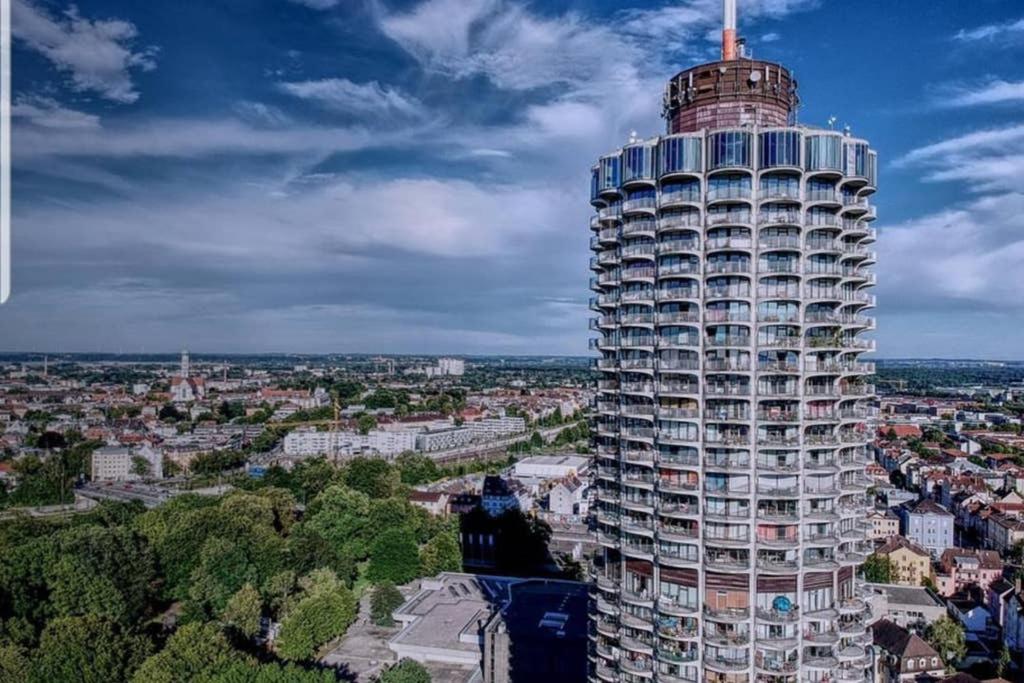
point(734, 413)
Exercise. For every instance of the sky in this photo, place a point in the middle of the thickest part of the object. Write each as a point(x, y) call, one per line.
point(391, 176)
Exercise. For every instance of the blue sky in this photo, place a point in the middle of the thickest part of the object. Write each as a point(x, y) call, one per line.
point(386, 176)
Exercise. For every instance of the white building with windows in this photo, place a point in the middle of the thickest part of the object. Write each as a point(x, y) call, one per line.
point(115, 463)
point(731, 278)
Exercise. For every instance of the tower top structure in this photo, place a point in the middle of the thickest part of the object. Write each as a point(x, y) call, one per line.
point(734, 91)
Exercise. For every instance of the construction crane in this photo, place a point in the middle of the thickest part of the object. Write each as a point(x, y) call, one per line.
point(335, 425)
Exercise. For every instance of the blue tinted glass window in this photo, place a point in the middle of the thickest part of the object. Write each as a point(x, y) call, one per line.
point(729, 149)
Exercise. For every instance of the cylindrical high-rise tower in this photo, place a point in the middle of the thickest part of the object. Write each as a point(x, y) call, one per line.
point(733, 412)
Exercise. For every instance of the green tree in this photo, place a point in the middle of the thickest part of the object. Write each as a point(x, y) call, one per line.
point(384, 600)
point(536, 440)
point(14, 664)
point(140, 466)
point(195, 652)
point(415, 468)
point(87, 650)
point(340, 514)
point(406, 671)
point(106, 572)
point(324, 611)
point(373, 476)
point(224, 568)
point(947, 637)
point(244, 610)
point(366, 423)
point(394, 557)
point(877, 569)
point(309, 550)
point(271, 672)
point(441, 554)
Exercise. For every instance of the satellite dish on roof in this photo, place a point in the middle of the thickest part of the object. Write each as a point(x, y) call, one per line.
point(755, 76)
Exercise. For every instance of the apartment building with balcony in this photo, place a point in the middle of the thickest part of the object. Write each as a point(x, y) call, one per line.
point(731, 297)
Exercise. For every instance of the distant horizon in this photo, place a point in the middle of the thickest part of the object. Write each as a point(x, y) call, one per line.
point(368, 354)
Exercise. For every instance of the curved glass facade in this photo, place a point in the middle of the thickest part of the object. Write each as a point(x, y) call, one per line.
point(857, 161)
point(824, 153)
point(609, 178)
point(779, 148)
point(729, 149)
point(680, 155)
point(638, 163)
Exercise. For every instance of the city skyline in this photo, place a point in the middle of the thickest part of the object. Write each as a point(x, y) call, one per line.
point(347, 172)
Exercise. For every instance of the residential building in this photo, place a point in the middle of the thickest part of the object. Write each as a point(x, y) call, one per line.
point(910, 607)
point(117, 463)
point(961, 567)
point(731, 278)
point(381, 441)
point(902, 656)
point(497, 496)
point(434, 502)
point(567, 497)
point(884, 524)
point(451, 366)
point(973, 614)
point(1003, 532)
point(928, 524)
point(909, 563)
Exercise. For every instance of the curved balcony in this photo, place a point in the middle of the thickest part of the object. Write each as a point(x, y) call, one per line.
point(678, 246)
point(723, 665)
point(729, 615)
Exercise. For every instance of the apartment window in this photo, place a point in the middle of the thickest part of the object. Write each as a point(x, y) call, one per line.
point(729, 149)
point(680, 154)
point(824, 152)
point(780, 148)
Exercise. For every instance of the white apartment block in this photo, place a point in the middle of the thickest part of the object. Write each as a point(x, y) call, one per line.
point(114, 463)
point(307, 442)
point(451, 366)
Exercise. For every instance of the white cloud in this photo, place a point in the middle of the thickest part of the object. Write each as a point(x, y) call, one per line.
point(341, 94)
point(46, 112)
point(991, 31)
point(966, 257)
point(512, 47)
point(992, 92)
point(986, 160)
point(98, 55)
point(770, 37)
point(187, 139)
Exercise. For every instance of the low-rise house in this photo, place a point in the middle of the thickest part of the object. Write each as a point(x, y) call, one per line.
point(902, 656)
point(960, 568)
point(909, 563)
point(884, 524)
point(434, 502)
point(973, 615)
point(1003, 532)
point(567, 497)
point(911, 607)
